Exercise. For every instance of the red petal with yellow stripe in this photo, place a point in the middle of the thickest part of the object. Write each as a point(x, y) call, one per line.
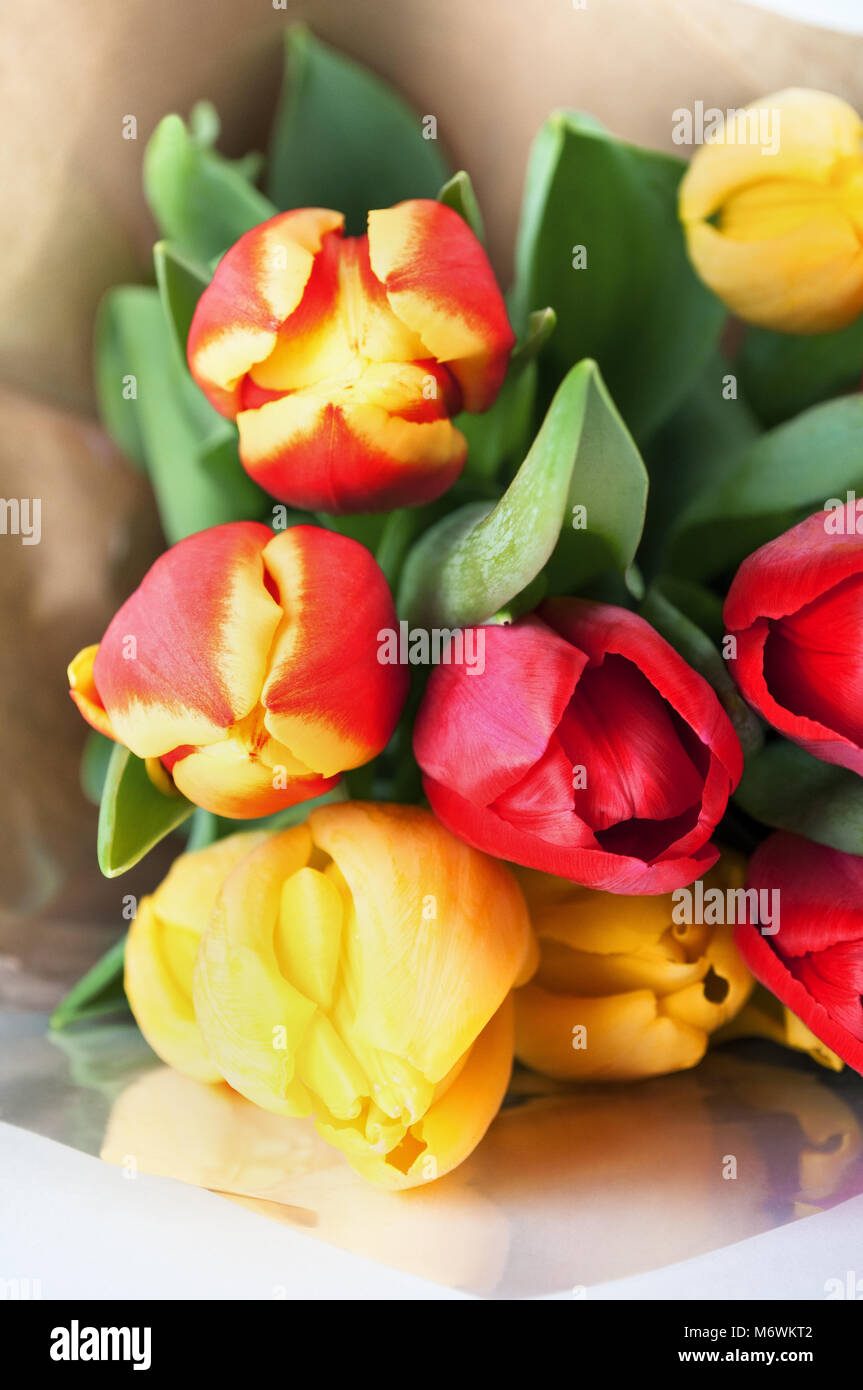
point(186, 656)
point(439, 282)
point(327, 697)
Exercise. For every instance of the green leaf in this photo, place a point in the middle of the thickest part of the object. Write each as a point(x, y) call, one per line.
point(201, 201)
point(146, 394)
point(541, 323)
point(458, 194)
point(94, 765)
point(785, 787)
point(781, 478)
point(698, 447)
point(343, 139)
point(476, 560)
point(664, 608)
point(497, 439)
point(784, 373)
point(637, 307)
point(98, 993)
point(181, 283)
point(134, 815)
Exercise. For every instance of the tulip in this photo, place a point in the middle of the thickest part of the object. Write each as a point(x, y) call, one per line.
point(160, 952)
point(772, 208)
point(246, 666)
point(795, 610)
point(358, 968)
point(587, 748)
point(764, 1016)
point(623, 989)
point(343, 359)
point(814, 963)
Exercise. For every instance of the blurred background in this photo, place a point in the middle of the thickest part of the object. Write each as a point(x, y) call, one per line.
point(73, 222)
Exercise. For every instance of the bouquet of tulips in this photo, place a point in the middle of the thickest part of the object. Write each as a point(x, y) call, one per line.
point(504, 666)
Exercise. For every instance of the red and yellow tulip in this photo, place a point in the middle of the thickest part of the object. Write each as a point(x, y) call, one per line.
point(357, 968)
point(246, 666)
point(342, 359)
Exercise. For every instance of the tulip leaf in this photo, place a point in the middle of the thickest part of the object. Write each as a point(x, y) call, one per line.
point(181, 283)
point(498, 438)
point(343, 139)
point(458, 194)
point(541, 323)
point(697, 447)
point(788, 789)
point(576, 506)
point(784, 373)
point(201, 201)
point(134, 815)
point(780, 478)
point(94, 765)
point(97, 994)
point(148, 396)
point(683, 614)
point(600, 241)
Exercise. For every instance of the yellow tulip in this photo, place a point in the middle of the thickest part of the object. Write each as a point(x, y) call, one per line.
point(772, 208)
point(765, 1016)
point(358, 968)
point(161, 947)
point(623, 990)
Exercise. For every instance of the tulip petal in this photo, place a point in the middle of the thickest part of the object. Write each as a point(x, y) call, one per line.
point(226, 779)
point(439, 282)
point(627, 1035)
point(483, 746)
point(82, 688)
point(816, 130)
point(455, 1123)
point(257, 285)
point(185, 657)
point(328, 697)
point(486, 830)
point(252, 1019)
point(348, 446)
point(819, 943)
point(428, 974)
point(161, 1003)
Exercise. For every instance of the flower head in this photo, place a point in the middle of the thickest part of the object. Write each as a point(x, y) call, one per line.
point(246, 663)
point(342, 359)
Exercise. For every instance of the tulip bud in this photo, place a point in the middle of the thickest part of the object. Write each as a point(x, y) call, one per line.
point(161, 947)
point(587, 747)
point(795, 609)
point(247, 663)
point(772, 208)
point(357, 968)
point(623, 989)
point(343, 359)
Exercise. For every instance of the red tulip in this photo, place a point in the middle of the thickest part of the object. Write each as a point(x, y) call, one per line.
point(814, 962)
point(587, 748)
point(247, 663)
point(795, 608)
point(343, 359)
